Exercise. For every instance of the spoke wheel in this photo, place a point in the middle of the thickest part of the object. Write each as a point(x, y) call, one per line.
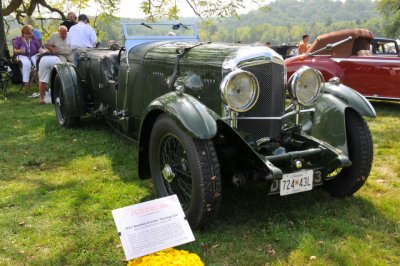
point(187, 167)
point(177, 177)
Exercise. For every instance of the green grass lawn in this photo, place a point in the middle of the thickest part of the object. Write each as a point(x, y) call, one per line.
point(58, 187)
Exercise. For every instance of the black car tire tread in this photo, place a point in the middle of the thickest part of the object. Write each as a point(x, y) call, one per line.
point(360, 146)
point(204, 164)
point(62, 118)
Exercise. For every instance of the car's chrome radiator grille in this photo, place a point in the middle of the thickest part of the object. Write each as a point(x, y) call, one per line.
point(270, 103)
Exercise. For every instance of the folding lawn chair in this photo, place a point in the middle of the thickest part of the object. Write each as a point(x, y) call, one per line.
point(33, 76)
point(4, 76)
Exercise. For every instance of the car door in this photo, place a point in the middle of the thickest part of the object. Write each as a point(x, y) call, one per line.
point(372, 76)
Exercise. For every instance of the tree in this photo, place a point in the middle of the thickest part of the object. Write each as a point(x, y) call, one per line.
point(390, 10)
point(24, 8)
point(155, 9)
point(3, 42)
point(50, 9)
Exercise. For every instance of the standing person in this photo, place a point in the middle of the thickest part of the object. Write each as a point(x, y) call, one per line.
point(303, 45)
point(268, 44)
point(82, 35)
point(60, 51)
point(70, 21)
point(26, 47)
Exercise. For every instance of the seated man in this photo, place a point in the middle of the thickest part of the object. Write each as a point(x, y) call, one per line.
point(59, 51)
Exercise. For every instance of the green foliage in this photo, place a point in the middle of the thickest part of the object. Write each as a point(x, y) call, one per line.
point(285, 21)
point(49, 14)
point(108, 28)
point(156, 9)
point(390, 10)
point(58, 187)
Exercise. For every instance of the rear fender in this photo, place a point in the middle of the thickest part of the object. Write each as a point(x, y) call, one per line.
point(72, 89)
point(329, 118)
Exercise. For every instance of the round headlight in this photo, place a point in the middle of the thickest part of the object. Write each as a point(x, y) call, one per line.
point(306, 85)
point(240, 90)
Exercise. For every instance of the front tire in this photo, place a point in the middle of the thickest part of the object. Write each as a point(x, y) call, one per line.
point(188, 167)
point(63, 118)
point(360, 147)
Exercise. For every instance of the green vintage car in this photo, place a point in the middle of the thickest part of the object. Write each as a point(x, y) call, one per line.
point(206, 114)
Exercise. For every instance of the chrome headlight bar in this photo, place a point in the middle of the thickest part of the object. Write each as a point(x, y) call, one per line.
point(289, 114)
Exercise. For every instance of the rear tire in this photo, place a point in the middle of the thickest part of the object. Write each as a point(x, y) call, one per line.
point(63, 118)
point(360, 147)
point(188, 167)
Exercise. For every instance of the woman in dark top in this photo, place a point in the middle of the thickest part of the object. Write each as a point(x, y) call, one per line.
point(71, 20)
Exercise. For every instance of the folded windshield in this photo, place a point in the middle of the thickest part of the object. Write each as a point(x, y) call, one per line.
point(153, 29)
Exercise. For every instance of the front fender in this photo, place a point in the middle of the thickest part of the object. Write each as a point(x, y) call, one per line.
point(329, 119)
point(190, 114)
point(351, 98)
point(72, 89)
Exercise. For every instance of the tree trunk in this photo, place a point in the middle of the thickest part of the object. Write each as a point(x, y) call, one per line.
point(3, 41)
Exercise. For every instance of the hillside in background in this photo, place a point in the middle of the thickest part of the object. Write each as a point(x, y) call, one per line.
point(293, 12)
point(287, 20)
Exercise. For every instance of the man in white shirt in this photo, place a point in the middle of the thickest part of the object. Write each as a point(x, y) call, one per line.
point(81, 35)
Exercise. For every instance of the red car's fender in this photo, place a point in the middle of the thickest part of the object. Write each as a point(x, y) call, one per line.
point(324, 64)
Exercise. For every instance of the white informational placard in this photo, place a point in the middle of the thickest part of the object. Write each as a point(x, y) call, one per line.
point(152, 226)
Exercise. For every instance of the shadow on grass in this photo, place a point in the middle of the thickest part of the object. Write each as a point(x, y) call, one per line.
point(258, 228)
point(31, 137)
point(93, 137)
point(71, 217)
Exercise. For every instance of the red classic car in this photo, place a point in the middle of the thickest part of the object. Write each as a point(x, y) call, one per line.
point(346, 55)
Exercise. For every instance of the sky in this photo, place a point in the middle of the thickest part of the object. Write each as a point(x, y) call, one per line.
point(131, 9)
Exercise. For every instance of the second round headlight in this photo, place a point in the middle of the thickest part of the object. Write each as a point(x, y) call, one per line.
point(240, 90)
point(306, 85)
